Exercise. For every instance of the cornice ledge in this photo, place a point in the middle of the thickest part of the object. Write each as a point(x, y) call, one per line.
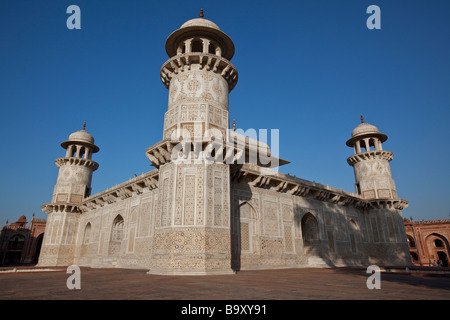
point(125, 190)
point(298, 187)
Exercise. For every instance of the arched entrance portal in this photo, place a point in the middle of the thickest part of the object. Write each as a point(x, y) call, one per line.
point(243, 232)
point(438, 248)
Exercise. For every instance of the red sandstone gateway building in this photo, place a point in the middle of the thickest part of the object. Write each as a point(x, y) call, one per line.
point(21, 244)
point(428, 241)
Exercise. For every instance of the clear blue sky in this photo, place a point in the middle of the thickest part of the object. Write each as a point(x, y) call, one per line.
point(308, 68)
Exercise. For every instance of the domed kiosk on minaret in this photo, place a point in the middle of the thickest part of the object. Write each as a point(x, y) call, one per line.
point(366, 135)
point(200, 35)
point(80, 143)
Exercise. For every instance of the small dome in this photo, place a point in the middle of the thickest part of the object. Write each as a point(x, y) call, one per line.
point(200, 22)
point(22, 219)
point(81, 135)
point(364, 128)
point(200, 27)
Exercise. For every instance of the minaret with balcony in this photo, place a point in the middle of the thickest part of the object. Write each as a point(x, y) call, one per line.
point(192, 223)
point(373, 178)
point(73, 185)
point(386, 240)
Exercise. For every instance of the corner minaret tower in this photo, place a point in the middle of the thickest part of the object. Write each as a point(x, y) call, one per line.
point(73, 185)
point(386, 242)
point(199, 76)
point(192, 223)
point(373, 179)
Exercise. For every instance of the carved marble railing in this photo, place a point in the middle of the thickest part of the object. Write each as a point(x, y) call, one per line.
point(381, 154)
point(206, 61)
point(77, 161)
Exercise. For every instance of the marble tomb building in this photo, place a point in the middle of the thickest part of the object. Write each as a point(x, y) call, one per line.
point(207, 208)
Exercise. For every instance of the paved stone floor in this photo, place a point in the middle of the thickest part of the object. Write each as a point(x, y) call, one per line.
point(286, 284)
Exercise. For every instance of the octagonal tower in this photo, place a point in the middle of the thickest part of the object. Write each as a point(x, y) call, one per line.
point(192, 228)
point(373, 178)
point(73, 185)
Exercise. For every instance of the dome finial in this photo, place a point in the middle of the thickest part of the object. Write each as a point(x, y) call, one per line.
point(362, 119)
point(234, 125)
point(201, 13)
point(84, 125)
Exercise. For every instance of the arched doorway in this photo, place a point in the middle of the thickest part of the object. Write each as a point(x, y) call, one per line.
point(247, 225)
point(310, 235)
point(243, 230)
point(116, 236)
point(87, 234)
point(86, 239)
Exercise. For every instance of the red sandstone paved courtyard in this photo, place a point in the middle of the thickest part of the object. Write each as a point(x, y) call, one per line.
point(285, 284)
